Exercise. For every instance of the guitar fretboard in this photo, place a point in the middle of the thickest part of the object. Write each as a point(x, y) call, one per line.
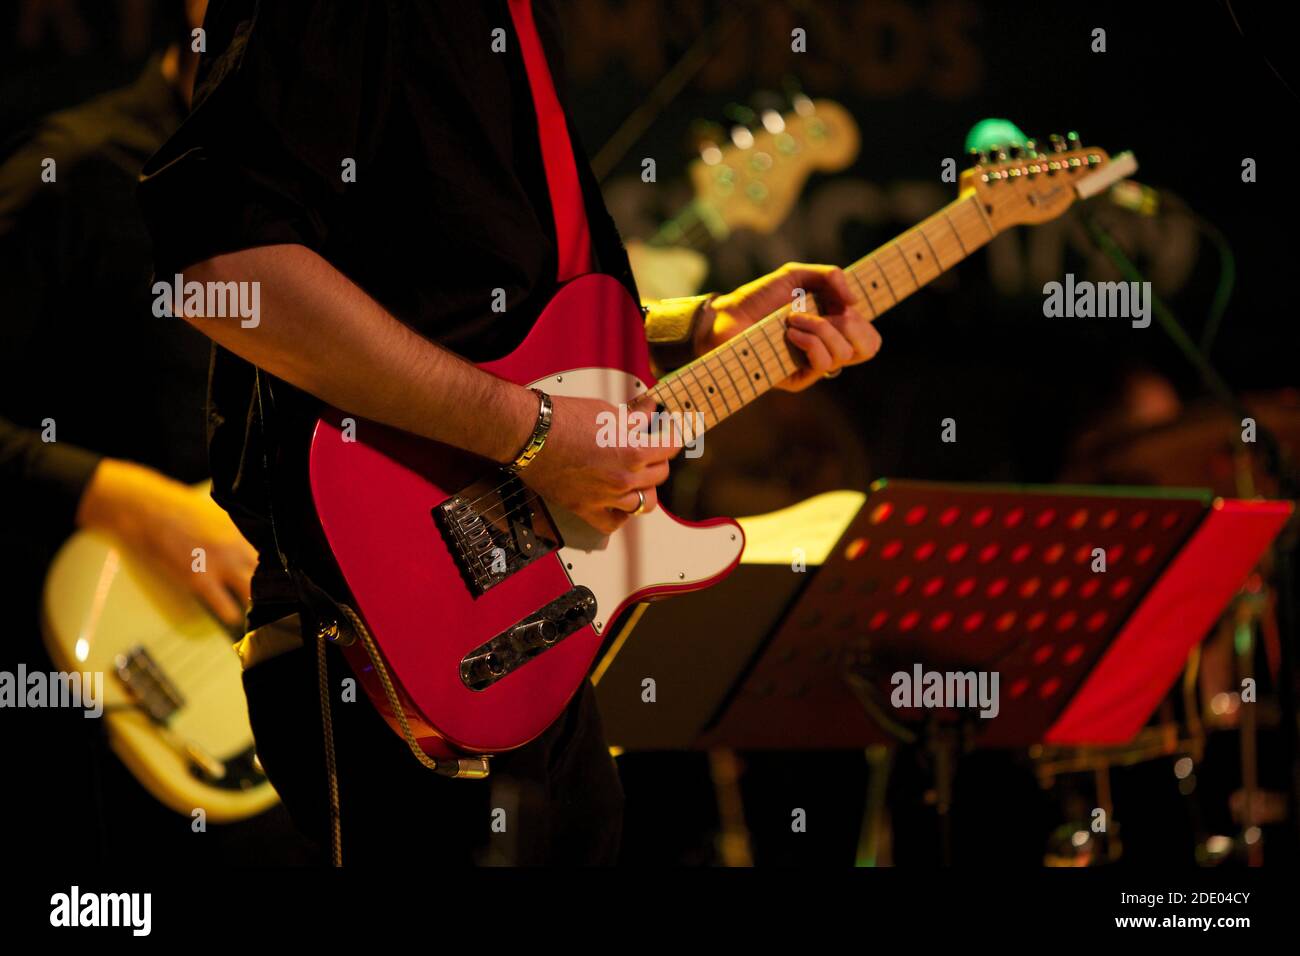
point(718, 384)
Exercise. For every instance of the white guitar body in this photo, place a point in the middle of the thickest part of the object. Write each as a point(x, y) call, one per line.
point(654, 553)
point(172, 694)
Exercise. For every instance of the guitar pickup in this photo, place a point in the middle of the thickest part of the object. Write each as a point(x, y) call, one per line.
point(150, 687)
point(520, 643)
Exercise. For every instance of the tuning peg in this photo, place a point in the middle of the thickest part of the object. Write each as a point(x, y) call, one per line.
point(1031, 148)
point(1058, 144)
point(772, 121)
point(742, 137)
point(1072, 139)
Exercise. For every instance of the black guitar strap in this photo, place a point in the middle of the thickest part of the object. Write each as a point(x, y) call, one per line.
point(336, 622)
point(312, 601)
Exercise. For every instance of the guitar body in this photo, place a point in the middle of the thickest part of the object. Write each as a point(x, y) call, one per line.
point(172, 694)
point(484, 660)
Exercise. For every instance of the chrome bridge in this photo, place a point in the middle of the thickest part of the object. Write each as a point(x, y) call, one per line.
point(494, 528)
point(517, 645)
point(159, 697)
point(148, 685)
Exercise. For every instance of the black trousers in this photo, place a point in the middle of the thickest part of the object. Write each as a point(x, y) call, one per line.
point(556, 800)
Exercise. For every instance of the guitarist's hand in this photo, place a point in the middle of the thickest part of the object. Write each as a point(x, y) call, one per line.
point(842, 335)
point(596, 471)
point(163, 521)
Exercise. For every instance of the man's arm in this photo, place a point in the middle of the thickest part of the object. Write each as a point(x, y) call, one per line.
point(43, 477)
point(156, 517)
point(320, 332)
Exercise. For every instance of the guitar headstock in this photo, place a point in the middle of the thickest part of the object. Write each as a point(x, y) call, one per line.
point(1021, 185)
point(755, 180)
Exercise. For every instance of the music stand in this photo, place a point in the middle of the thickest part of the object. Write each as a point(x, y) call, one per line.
point(999, 580)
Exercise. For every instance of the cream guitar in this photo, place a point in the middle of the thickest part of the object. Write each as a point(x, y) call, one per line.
point(172, 696)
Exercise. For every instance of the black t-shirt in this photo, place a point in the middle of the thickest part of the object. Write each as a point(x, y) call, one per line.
point(449, 201)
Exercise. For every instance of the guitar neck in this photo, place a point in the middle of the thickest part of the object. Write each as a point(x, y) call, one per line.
point(718, 384)
point(696, 226)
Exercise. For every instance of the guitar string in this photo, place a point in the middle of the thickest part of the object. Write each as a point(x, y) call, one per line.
point(696, 235)
point(177, 653)
point(724, 352)
point(507, 506)
point(757, 344)
point(160, 654)
point(888, 270)
point(494, 511)
point(871, 258)
point(728, 350)
point(169, 648)
point(765, 341)
point(501, 510)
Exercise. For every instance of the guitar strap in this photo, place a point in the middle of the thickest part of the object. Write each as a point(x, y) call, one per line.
point(568, 208)
point(336, 622)
point(310, 598)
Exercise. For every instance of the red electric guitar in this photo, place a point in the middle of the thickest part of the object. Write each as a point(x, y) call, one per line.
point(486, 605)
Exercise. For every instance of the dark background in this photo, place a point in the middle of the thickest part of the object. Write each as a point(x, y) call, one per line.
point(1187, 86)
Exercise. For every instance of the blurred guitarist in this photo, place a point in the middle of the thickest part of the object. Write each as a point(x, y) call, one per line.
point(386, 173)
point(104, 426)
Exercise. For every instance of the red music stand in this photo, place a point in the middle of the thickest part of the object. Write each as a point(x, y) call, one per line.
point(970, 578)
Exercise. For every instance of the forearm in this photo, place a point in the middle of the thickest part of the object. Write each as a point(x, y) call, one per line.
point(43, 477)
point(112, 497)
point(320, 332)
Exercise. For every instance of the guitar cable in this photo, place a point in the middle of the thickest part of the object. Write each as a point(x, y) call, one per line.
point(331, 763)
point(448, 768)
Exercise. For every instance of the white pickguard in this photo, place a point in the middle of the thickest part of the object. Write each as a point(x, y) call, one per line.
point(650, 550)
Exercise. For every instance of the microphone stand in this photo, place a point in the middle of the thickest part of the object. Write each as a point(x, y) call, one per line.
point(1283, 470)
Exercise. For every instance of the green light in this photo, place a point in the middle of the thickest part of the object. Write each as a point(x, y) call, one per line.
point(1242, 638)
point(994, 132)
